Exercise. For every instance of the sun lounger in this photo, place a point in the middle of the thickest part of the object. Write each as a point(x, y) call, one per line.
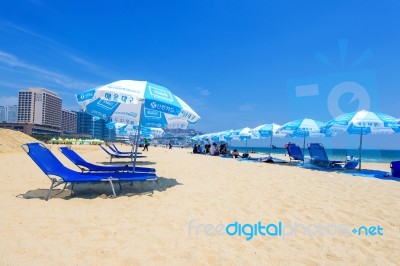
point(59, 174)
point(119, 156)
point(114, 149)
point(395, 166)
point(294, 152)
point(85, 166)
point(320, 158)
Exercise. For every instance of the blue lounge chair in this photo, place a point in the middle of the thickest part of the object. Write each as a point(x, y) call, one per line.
point(59, 174)
point(115, 150)
point(320, 158)
point(294, 152)
point(395, 166)
point(85, 166)
point(119, 156)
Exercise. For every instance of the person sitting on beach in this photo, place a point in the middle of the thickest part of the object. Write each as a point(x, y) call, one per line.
point(196, 148)
point(235, 154)
point(214, 151)
point(199, 149)
point(349, 158)
point(222, 149)
point(207, 148)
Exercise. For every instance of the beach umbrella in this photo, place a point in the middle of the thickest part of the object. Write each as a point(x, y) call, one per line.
point(268, 130)
point(131, 102)
point(135, 102)
point(217, 137)
point(362, 123)
point(146, 131)
point(205, 137)
point(227, 135)
point(196, 138)
point(242, 134)
point(303, 128)
point(221, 136)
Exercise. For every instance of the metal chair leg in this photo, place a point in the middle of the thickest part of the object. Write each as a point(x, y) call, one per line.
point(112, 187)
point(51, 188)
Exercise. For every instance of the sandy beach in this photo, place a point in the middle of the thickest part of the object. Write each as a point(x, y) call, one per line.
point(165, 222)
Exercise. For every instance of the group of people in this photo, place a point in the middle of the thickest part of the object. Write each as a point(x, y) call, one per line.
point(215, 150)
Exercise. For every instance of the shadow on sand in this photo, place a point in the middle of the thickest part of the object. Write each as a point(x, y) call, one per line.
point(103, 190)
point(127, 163)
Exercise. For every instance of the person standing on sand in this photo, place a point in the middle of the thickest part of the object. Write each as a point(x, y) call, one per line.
point(170, 145)
point(146, 145)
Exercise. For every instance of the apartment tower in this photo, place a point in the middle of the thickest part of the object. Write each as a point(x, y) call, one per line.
point(39, 106)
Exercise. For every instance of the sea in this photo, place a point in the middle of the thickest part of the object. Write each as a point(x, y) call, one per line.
point(367, 155)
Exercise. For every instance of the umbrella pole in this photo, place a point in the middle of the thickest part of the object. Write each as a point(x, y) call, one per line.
point(359, 151)
point(137, 137)
point(270, 145)
point(304, 145)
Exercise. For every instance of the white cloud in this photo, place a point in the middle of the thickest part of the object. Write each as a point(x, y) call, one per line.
point(57, 47)
point(55, 77)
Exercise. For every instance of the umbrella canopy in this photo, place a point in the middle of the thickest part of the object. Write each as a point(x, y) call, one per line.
point(221, 136)
point(122, 102)
point(242, 134)
point(268, 130)
point(302, 128)
point(217, 137)
point(196, 138)
point(134, 102)
point(362, 123)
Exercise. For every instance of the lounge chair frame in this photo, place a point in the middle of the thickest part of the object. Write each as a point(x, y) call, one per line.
point(319, 157)
point(86, 166)
point(291, 148)
point(119, 156)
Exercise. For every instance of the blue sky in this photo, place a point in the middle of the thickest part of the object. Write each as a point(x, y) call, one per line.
point(237, 63)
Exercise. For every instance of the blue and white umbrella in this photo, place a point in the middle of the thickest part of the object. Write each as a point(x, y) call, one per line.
point(136, 103)
point(362, 123)
point(303, 128)
point(147, 132)
point(122, 102)
point(205, 137)
point(242, 134)
point(221, 136)
point(268, 130)
point(196, 138)
point(217, 137)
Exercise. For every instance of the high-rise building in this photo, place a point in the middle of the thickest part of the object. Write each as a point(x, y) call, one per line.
point(69, 122)
point(3, 114)
point(89, 127)
point(8, 113)
point(39, 106)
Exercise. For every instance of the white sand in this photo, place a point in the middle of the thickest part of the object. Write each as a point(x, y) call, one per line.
point(140, 228)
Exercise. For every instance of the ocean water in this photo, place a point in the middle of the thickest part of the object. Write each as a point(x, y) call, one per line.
point(367, 155)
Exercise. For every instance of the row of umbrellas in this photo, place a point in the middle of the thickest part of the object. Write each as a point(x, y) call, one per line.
point(361, 122)
point(144, 104)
